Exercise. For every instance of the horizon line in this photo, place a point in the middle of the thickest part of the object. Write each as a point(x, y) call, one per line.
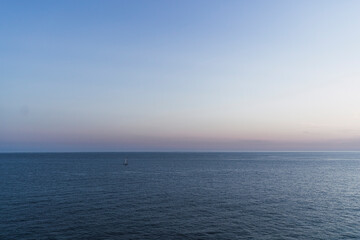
point(297, 151)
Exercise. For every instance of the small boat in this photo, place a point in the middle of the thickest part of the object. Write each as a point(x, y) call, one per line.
point(125, 162)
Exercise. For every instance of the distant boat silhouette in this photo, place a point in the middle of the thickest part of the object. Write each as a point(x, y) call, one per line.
point(125, 162)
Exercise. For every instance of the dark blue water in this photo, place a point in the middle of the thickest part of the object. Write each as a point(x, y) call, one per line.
point(180, 196)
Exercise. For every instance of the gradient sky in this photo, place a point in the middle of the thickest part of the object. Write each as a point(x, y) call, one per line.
point(179, 75)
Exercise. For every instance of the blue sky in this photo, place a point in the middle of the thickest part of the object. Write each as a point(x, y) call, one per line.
point(179, 75)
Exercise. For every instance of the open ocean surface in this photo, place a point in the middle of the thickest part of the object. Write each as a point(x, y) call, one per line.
point(180, 196)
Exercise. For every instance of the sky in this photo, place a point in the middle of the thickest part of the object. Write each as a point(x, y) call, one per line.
point(179, 75)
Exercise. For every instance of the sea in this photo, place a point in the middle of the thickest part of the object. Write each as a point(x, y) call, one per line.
point(247, 195)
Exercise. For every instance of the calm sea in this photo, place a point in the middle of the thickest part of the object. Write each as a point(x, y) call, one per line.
point(180, 196)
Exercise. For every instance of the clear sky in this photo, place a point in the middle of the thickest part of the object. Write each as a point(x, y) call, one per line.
point(179, 75)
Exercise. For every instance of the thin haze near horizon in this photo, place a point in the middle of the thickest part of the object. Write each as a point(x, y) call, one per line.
point(179, 75)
